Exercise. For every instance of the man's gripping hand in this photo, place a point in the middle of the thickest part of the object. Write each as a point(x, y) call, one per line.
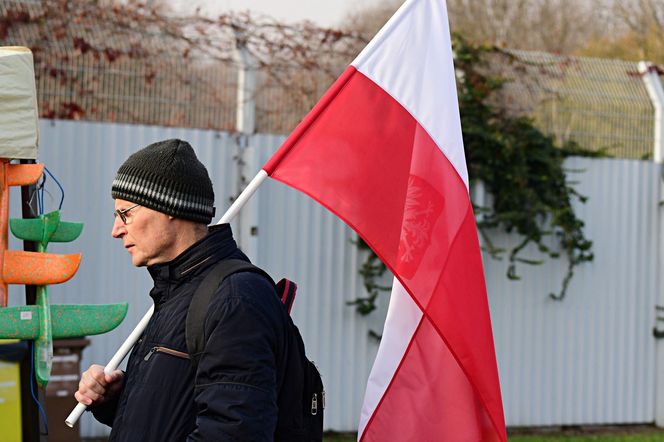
point(96, 387)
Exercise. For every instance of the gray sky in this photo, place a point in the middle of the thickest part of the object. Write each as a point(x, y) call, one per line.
point(322, 12)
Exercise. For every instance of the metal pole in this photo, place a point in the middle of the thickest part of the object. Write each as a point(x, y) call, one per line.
point(246, 89)
point(114, 362)
point(31, 419)
point(650, 75)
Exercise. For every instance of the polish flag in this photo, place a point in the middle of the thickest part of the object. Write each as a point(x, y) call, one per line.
point(383, 151)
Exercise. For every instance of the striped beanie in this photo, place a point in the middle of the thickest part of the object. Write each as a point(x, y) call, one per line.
point(167, 177)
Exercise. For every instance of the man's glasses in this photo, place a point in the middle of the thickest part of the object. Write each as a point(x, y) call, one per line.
point(123, 213)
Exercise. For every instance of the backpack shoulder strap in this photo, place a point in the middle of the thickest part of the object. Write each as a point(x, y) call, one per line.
point(286, 290)
point(195, 322)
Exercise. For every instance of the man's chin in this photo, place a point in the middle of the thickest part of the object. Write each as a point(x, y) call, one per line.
point(138, 262)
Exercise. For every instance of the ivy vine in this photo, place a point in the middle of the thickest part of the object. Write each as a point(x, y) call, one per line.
point(520, 167)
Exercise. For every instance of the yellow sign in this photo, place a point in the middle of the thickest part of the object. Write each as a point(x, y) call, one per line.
point(10, 401)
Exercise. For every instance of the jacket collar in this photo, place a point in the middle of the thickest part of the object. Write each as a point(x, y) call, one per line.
point(216, 245)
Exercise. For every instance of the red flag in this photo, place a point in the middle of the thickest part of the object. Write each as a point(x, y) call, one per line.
point(383, 151)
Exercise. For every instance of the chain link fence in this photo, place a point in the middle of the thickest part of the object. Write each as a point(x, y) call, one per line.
point(98, 73)
point(603, 105)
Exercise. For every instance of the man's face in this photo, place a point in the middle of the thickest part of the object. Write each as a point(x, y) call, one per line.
point(148, 235)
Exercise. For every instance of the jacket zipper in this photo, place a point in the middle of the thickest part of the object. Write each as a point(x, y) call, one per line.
point(314, 404)
point(169, 351)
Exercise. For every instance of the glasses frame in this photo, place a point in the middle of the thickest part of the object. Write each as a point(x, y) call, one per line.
point(123, 213)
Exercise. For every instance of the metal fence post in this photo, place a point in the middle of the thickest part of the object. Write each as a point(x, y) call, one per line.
point(650, 75)
point(32, 420)
point(245, 125)
point(246, 89)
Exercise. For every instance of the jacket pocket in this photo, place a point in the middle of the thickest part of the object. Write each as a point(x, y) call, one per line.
point(165, 367)
point(165, 350)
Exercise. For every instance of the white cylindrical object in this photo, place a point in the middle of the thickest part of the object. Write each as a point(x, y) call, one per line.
point(656, 93)
point(246, 91)
point(129, 342)
point(138, 330)
point(75, 414)
point(244, 197)
point(114, 362)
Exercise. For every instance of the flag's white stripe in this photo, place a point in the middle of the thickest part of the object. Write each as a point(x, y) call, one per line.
point(403, 317)
point(410, 63)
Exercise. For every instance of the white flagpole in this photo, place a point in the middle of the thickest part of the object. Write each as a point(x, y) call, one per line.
point(243, 197)
point(140, 327)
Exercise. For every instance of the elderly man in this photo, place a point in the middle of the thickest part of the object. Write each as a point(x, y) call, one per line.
point(163, 205)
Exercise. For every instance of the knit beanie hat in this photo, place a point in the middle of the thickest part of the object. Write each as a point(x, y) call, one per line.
point(167, 177)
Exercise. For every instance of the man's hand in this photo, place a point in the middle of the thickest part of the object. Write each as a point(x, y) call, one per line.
point(96, 387)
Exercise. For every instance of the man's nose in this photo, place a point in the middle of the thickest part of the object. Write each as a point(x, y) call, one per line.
point(119, 228)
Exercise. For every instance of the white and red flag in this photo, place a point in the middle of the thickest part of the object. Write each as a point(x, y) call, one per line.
point(383, 150)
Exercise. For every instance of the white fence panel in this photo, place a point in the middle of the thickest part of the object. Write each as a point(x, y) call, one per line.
point(590, 358)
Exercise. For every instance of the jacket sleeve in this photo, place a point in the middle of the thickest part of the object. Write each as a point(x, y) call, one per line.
point(236, 380)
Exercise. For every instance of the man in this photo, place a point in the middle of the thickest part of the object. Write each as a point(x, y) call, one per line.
point(163, 204)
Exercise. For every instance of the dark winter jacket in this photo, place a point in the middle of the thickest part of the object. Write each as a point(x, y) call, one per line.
point(239, 374)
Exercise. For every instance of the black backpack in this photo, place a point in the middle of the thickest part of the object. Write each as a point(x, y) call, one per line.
point(299, 420)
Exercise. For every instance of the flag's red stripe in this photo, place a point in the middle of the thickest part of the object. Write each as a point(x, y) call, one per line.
point(309, 120)
point(367, 434)
point(430, 398)
point(368, 160)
